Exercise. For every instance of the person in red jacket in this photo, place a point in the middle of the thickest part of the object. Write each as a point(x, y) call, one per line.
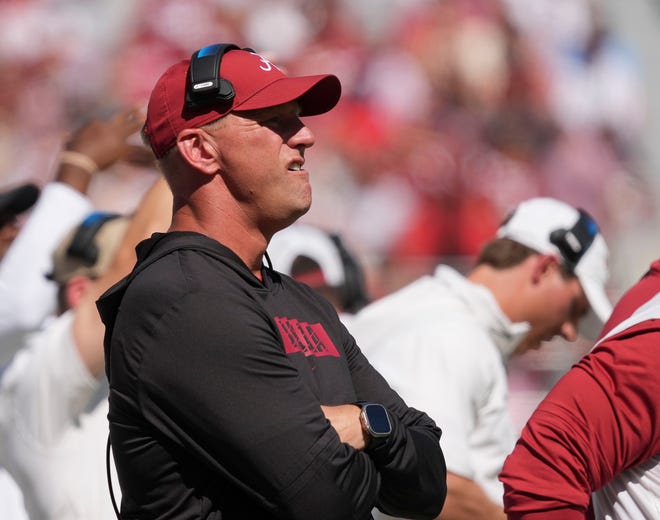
point(592, 447)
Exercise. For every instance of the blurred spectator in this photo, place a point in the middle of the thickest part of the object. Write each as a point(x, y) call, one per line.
point(46, 388)
point(53, 400)
point(595, 78)
point(26, 297)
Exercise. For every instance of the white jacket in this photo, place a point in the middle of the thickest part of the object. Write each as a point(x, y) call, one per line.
point(442, 342)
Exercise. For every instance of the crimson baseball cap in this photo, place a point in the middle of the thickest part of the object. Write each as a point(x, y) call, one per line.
point(257, 83)
point(550, 226)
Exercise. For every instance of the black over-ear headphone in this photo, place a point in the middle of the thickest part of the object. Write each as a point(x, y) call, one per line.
point(573, 243)
point(353, 292)
point(205, 86)
point(83, 246)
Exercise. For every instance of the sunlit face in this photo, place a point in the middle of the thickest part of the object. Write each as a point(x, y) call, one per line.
point(557, 308)
point(263, 156)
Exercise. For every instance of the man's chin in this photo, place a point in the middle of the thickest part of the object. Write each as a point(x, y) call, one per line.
point(286, 220)
point(528, 344)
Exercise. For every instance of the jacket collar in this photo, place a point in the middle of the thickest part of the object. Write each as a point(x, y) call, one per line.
point(482, 304)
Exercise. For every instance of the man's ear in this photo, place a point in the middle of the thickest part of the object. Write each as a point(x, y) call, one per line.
point(542, 266)
point(198, 149)
point(75, 289)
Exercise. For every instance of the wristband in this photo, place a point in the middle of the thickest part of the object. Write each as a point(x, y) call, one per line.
point(82, 161)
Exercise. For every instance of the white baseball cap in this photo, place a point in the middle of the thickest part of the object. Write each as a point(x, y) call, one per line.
point(338, 268)
point(305, 240)
point(550, 226)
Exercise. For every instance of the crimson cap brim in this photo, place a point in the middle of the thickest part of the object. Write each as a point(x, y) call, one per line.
point(316, 94)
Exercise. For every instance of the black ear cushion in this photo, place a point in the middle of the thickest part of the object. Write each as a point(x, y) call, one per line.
point(573, 243)
point(82, 244)
point(354, 294)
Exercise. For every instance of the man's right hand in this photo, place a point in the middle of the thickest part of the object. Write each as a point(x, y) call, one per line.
point(345, 419)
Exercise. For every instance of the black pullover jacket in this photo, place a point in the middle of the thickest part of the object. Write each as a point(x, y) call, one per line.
point(216, 381)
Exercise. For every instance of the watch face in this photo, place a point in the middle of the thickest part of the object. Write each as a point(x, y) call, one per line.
point(379, 422)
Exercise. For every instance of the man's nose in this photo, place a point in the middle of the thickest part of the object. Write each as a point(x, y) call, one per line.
point(303, 136)
point(569, 331)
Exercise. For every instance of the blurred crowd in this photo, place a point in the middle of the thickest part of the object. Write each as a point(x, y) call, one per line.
point(452, 111)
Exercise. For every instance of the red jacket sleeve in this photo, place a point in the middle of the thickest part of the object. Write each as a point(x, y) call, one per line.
point(602, 417)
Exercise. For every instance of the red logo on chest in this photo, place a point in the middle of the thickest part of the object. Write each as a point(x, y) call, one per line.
point(309, 338)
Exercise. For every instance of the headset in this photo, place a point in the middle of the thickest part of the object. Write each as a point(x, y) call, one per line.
point(573, 243)
point(83, 246)
point(205, 86)
point(353, 292)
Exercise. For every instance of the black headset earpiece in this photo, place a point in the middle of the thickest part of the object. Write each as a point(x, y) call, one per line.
point(573, 243)
point(353, 291)
point(83, 246)
point(205, 86)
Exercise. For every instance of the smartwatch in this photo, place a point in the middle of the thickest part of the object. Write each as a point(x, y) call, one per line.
point(375, 420)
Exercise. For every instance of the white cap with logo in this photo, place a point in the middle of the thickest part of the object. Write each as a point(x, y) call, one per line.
point(550, 226)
